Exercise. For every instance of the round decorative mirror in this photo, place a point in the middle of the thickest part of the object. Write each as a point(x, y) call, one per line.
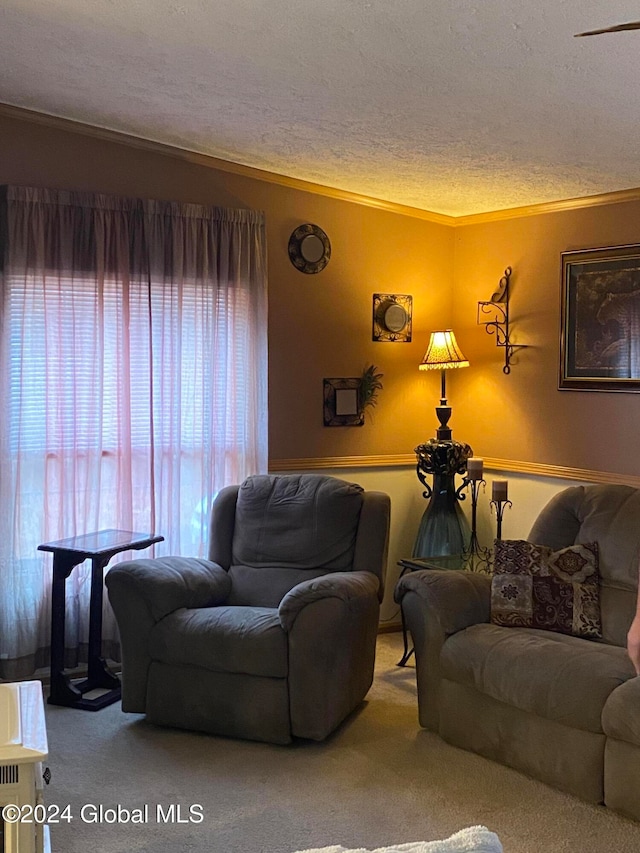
point(393, 317)
point(309, 249)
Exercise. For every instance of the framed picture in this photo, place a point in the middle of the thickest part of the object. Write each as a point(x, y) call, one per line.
point(342, 402)
point(600, 323)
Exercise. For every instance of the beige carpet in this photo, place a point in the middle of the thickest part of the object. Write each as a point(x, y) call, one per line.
point(379, 781)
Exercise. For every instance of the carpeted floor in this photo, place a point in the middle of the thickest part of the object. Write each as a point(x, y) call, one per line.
point(379, 780)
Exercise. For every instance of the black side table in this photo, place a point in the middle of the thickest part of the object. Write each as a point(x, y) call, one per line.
point(448, 562)
point(99, 547)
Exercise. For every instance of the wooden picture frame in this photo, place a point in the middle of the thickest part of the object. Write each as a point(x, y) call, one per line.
point(600, 320)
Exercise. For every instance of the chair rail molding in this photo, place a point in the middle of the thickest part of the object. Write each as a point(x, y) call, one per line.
point(408, 460)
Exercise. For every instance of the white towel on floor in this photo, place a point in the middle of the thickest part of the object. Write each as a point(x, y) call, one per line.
point(473, 839)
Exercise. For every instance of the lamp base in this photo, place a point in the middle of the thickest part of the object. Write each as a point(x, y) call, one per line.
point(443, 432)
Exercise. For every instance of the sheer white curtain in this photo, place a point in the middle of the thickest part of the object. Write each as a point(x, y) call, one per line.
point(133, 386)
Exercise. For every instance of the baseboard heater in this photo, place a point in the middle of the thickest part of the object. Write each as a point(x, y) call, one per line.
point(23, 748)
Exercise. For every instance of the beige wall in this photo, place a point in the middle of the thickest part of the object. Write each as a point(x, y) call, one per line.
point(523, 416)
point(319, 325)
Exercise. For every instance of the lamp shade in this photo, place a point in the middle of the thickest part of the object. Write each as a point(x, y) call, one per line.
point(443, 352)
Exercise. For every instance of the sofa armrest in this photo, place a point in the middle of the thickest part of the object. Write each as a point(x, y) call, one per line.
point(436, 604)
point(346, 586)
point(460, 599)
point(141, 593)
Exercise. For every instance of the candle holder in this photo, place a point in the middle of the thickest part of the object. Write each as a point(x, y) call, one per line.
point(474, 546)
point(477, 554)
point(499, 506)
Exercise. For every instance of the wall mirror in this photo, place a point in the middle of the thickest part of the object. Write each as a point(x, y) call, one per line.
point(309, 249)
point(342, 402)
point(392, 317)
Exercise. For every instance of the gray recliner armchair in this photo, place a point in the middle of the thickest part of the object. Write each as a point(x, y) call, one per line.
point(273, 637)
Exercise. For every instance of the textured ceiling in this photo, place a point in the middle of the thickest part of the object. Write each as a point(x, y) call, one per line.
point(451, 106)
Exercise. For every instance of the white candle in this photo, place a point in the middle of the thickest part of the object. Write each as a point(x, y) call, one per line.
point(499, 490)
point(474, 468)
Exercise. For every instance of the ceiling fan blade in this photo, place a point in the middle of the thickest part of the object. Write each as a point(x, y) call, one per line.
point(618, 28)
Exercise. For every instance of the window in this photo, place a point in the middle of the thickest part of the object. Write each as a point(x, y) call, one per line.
point(132, 377)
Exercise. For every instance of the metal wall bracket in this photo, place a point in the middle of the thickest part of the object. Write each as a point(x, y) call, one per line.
point(494, 316)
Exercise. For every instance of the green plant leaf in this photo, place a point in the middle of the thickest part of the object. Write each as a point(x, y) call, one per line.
point(370, 385)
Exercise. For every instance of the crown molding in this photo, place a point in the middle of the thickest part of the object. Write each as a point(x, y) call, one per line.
point(617, 197)
point(211, 162)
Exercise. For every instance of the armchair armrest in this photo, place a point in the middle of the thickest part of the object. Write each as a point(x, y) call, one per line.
point(331, 621)
point(435, 604)
point(348, 587)
point(165, 584)
point(141, 593)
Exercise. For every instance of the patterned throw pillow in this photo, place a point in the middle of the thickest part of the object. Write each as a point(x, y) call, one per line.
point(534, 586)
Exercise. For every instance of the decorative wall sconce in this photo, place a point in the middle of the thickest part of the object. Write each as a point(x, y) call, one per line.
point(494, 316)
point(392, 317)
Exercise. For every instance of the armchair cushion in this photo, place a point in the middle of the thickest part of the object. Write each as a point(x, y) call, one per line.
point(245, 640)
point(260, 587)
point(300, 522)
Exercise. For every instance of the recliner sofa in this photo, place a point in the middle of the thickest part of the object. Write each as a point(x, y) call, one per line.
point(563, 709)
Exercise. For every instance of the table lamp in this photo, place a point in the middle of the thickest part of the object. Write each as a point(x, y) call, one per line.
point(443, 353)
